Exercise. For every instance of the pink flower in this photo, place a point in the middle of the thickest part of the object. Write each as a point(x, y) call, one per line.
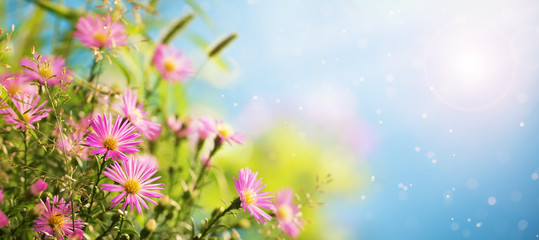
point(1, 195)
point(288, 214)
point(56, 219)
point(134, 178)
point(16, 83)
point(100, 31)
point(29, 109)
point(248, 188)
point(147, 158)
point(181, 129)
point(113, 141)
point(206, 128)
point(77, 235)
point(171, 63)
point(48, 66)
point(38, 187)
point(4, 221)
point(224, 131)
point(135, 114)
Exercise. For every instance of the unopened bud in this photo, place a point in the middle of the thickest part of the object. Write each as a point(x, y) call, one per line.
point(38, 187)
point(244, 223)
point(124, 236)
point(165, 201)
point(116, 217)
point(151, 225)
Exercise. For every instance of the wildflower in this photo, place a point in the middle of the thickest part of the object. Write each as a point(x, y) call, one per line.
point(113, 141)
point(223, 131)
point(38, 187)
point(56, 219)
point(252, 200)
point(171, 63)
point(135, 114)
point(16, 83)
point(100, 31)
point(4, 221)
point(181, 129)
point(49, 69)
point(147, 158)
point(287, 213)
point(28, 107)
point(134, 179)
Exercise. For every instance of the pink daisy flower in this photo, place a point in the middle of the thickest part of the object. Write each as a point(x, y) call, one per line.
point(223, 131)
point(113, 141)
point(38, 187)
point(4, 221)
point(134, 179)
point(181, 128)
point(252, 200)
point(16, 83)
point(48, 66)
point(56, 219)
point(29, 109)
point(100, 31)
point(135, 114)
point(171, 63)
point(288, 214)
point(147, 158)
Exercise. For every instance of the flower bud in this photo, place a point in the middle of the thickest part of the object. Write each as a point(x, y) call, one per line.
point(164, 201)
point(151, 225)
point(124, 236)
point(116, 217)
point(38, 210)
point(38, 187)
point(4, 221)
point(244, 223)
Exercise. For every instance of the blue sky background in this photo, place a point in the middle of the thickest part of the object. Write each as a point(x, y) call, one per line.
point(436, 162)
point(442, 94)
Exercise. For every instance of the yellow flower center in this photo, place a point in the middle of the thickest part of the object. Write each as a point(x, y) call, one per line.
point(170, 65)
point(132, 186)
point(45, 71)
point(250, 197)
point(100, 37)
point(225, 130)
point(285, 213)
point(110, 143)
point(26, 117)
point(14, 89)
point(56, 221)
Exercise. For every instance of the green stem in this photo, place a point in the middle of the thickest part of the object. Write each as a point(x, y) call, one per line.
point(234, 205)
point(25, 155)
point(98, 176)
point(106, 231)
point(120, 229)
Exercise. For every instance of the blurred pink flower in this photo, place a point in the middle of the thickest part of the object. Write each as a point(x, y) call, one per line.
point(171, 63)
point(56, 219)
point(135, 114)
point(38, 187)
point(29, 109)
point(48, 66)
point(134, 181)
point(222, 130)
point(182, 129)
point(288, 214)
point(147, 158)
point(248, 188)
point(113, 141)
point(77, 235)
point(16, 83)
point(100, 31)
point(4, 221)
point(1, 195)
